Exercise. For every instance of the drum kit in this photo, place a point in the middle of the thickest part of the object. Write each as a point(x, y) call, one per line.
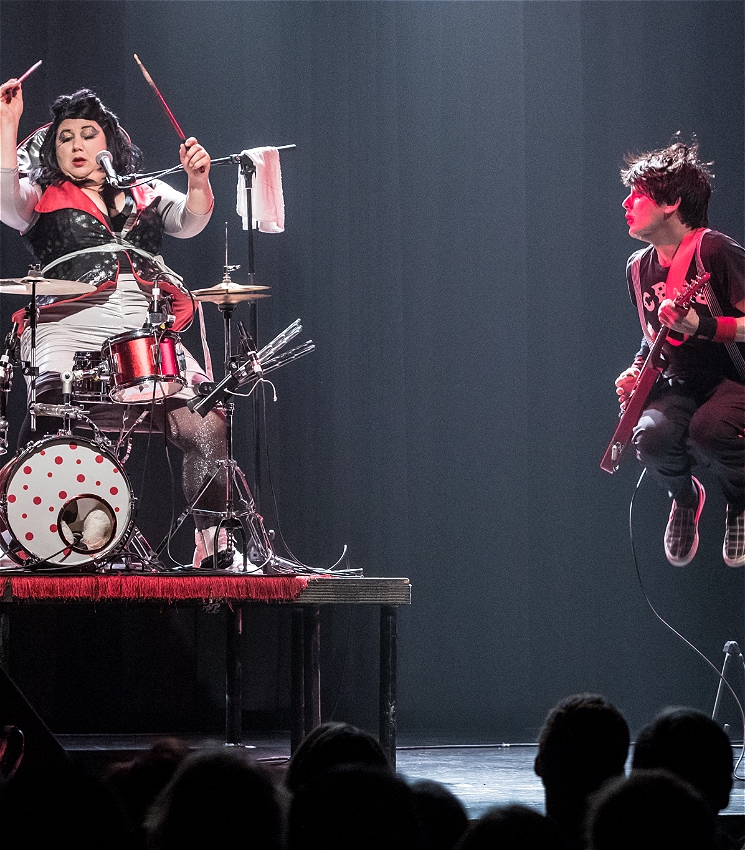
point(66, 503)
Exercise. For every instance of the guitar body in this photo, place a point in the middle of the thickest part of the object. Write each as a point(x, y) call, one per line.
point(651, 370)
point(630, 416)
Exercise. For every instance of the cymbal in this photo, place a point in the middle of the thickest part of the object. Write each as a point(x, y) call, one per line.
point(44, 286)
point(231, 293)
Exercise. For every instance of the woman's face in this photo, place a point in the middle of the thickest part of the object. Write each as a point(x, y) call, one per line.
point(77, 143)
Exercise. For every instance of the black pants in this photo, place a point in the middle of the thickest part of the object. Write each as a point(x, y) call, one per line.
point(695, 422)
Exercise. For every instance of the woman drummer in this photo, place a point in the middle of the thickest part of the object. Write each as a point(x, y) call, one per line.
point(79, 227)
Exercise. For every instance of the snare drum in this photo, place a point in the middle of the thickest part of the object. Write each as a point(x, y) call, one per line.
point(144, 365)
point(64, 503)
point(93, 386)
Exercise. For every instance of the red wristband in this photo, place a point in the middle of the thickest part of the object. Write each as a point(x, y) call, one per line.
point(726, 329)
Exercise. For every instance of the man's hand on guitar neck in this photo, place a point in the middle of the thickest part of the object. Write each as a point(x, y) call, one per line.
point(679, 319)
point(626, 382)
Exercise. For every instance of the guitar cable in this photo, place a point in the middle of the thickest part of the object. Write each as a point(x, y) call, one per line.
point(685, 640)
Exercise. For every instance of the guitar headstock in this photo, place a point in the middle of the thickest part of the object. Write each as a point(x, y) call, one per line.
point(690, 290)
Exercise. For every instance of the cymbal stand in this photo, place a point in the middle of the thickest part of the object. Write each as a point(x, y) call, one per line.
point(237, 508)
point(30, 369)
point(248, 367)
point(8, 361)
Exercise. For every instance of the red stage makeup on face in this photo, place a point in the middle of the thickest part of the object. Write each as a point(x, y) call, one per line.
point(643, 215)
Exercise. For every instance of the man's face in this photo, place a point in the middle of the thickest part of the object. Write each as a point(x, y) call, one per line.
point(644, 215)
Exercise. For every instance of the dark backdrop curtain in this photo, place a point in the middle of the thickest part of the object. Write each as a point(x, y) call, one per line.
point(455, 247)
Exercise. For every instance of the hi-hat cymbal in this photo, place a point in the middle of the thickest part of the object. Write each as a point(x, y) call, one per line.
point(231, 293)
point(44, 286)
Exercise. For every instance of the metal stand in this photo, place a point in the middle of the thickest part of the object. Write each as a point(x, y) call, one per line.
point(240, 514)
point(731, 651)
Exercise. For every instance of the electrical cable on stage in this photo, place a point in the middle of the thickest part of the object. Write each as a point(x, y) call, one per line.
point(685, 640)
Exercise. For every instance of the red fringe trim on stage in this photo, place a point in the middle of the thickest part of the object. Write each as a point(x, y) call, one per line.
point(144, 587)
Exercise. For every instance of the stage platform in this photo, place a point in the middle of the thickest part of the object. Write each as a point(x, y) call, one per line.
point(482, 776)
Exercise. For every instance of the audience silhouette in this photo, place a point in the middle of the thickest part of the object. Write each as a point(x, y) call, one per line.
point(442, 818)
point(584, 743)
point(514, 827)
point(330, 745)
point(217, 799)
point(354, 808)
point(694, 747)
point(339, 792)
point(650, 810)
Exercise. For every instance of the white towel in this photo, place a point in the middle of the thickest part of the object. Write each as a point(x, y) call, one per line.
point(267, 201)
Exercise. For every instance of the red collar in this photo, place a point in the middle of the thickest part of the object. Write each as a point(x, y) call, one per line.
point(67, 195)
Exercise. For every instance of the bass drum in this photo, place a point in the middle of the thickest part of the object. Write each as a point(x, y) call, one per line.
point(64, 503)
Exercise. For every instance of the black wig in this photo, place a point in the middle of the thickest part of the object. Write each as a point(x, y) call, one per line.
point(127, 157)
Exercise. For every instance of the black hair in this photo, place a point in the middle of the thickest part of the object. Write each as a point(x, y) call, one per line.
point(127, 157)
point(671, 173)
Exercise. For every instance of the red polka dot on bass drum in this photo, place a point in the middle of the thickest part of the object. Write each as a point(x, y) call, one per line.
point(37, 500)
point(114, 491)
point(62, 494)
point(99, 458)
point(29, 535)
point(58, 460)
point(53, 528)
point(27, 470)
point(81, 478)
point(11, 498)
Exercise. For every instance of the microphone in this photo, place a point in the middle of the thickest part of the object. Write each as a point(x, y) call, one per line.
point(105, 161)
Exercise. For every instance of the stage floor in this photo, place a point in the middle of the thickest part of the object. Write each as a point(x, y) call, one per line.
point(480, 775)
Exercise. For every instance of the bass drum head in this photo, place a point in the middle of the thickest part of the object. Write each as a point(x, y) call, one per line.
point(65, 503)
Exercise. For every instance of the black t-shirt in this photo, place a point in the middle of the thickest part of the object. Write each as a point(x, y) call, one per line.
point(724, 259)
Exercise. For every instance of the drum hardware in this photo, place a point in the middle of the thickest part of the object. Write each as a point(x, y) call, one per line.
point(90, 376)
point(8, 361)
point(250, 367)
point(241, 515)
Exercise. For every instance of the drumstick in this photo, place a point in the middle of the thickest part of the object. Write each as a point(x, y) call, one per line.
point(170, 115)
point(30, 71)
point(12, 92)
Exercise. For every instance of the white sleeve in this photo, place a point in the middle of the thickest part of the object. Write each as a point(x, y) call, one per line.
point(18, 199)
point(178, 220)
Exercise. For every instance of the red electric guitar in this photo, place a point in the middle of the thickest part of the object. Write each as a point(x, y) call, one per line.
point(651, 370)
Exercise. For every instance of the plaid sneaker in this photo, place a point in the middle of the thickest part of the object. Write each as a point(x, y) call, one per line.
point(734, 538)
point(681, 534)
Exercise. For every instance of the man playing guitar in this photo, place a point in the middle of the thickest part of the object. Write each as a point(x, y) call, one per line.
point(695, 412)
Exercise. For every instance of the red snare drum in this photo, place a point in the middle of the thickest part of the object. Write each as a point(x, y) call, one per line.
point(64, 503)
point(144, 365)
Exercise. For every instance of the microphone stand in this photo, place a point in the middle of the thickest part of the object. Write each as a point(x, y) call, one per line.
point(248, 170)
